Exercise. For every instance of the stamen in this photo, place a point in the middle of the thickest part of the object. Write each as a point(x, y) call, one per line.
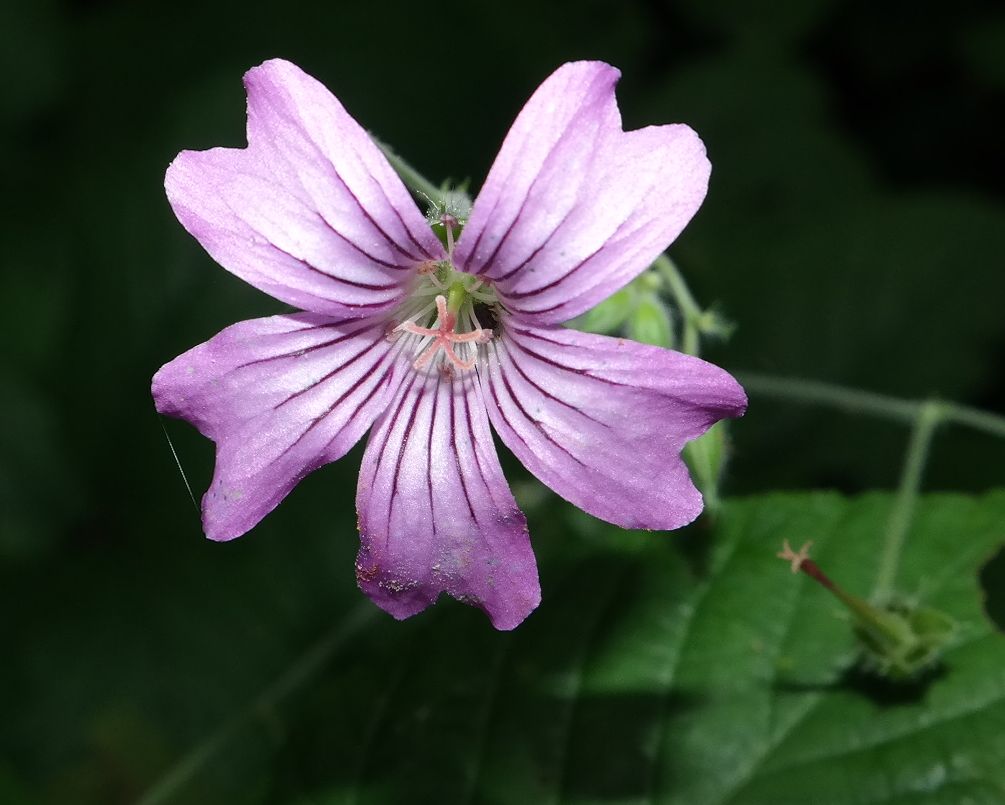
point(475, 324)
point(414, 318)
point(444, 337)
point(428, 269)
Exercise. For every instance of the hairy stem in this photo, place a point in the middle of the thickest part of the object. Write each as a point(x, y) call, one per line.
point(975, 418)
point(930, 414)
point(847, 399)
point(856, 401)
point(691, 312)
point(924, 417)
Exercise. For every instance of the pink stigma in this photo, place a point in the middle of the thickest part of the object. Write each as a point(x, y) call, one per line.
point(444, 337)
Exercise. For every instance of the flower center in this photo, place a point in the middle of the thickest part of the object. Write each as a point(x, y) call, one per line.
point(440, 319)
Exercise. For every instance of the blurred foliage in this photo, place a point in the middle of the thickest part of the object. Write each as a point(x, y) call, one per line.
point(853, 230)
point(697, 669)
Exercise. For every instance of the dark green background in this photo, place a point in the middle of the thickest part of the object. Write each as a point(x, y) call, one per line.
point(854, 230)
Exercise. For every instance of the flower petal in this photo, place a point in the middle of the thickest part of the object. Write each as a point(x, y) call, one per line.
point(602, 420)
point(281, 397)
point(435, 512)
point(310, 212)
point(573, 207)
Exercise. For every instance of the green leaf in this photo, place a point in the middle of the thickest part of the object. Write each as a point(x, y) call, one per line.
point(679, 669)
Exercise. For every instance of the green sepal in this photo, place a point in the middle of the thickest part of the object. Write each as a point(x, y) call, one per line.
point(705, 457)
point(901, 640)
point(650, 322)
point(609, 315)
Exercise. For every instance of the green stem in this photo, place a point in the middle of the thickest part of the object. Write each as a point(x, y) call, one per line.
point(413, 180)
point(930, 414)
point(689, 308)
point(975, 418)
point(846, 399)
point(261, 707)
point(867, 402)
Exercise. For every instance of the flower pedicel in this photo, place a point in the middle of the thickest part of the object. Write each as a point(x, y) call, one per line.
point(427, 344)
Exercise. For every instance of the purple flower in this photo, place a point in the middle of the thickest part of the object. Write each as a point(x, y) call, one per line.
point(425, 345)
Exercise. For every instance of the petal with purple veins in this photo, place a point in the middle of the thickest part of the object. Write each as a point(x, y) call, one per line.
point(310, 212)
point(281, 397)
point(602, 420)
point(574, 207)
point(435, 512)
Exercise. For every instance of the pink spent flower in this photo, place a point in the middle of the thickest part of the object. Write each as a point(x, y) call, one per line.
point(426, 345)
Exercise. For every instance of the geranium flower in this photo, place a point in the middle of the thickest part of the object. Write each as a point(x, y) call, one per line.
point(425, 343)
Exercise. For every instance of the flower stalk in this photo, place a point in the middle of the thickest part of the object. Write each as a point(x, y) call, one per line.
point(929, 415)
point(897, 640)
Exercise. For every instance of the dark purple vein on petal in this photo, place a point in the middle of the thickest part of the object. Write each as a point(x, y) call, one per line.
point(380, 187)
point(553, 283)
point(457, 457)
point(385, 377)
point(475, 444)
point(679, 398)
point(495, 252)
point(313, 269)
point(408, 231)
point(429, 255)
point(296, 124)
point(401, 454)
point(574, 118)
point(551, 362)
point(516, 365)
point(502, 413)
point(391, 241)
point(331, 408)
point(617, 237)
point(537, 251)
point(366, 286)
point(390, 422)
point(296, 353)
point(538, 424)
point(360, 249)
point(429, 455)
point(332, 374)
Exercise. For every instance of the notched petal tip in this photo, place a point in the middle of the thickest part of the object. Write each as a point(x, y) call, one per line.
point(740, 401)
point(402, 596)
point(167, 387)
point(280, 397)
point(435, 512)
point(268, 64)
point(587, 68)
point(309, 212)
point(602, 421)
point(574, 207)
point(723, 396)
point(271, 66)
